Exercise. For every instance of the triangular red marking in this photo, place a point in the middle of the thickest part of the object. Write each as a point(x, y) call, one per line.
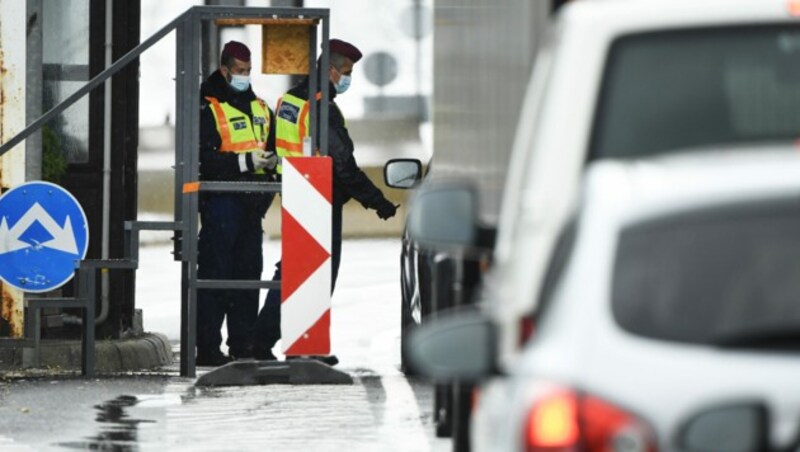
point(318, 172)
point(316, 341)
point(301, 255)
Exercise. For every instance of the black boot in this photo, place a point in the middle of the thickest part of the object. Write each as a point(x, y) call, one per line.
point(214, 358)
point(263, 354)
point(240, 353)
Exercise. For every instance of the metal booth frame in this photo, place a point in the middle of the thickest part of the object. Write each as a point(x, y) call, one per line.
point(187, 184)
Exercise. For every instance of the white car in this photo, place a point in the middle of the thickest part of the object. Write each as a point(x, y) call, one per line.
point(672, 322)
point(617, 80)
point(669, 320)
point(622, 79)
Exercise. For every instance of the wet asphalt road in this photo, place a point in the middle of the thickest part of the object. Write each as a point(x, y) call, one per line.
point(157, 411)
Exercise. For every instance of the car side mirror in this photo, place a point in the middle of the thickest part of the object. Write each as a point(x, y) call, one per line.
point(738, 427)
point(444, 214)
point(455, 345)
point(402, 173)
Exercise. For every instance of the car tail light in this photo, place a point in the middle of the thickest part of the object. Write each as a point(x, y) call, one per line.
point(793, 7)
point(526, 328)
point(565, 420)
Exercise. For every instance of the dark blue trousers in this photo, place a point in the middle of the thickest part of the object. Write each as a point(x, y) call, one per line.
point(229, 247)
point(267, 328)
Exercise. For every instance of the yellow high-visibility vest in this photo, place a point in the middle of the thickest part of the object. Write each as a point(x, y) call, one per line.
point(238, 133)
point(291, 126)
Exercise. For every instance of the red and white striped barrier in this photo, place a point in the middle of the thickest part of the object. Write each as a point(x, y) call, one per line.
point(306, 255)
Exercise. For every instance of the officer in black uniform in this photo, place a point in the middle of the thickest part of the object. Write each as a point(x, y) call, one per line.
point(349, 181)
point(237, 143)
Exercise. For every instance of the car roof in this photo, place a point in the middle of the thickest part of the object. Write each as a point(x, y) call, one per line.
point(651, 187)
point(649, 14)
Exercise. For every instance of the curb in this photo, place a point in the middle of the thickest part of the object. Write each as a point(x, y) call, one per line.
point(144, 352)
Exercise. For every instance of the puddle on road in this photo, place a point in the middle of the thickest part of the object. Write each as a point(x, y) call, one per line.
point(118, 431)
point(376, 413)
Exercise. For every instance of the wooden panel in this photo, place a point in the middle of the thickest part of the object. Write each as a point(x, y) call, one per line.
point(285, 49)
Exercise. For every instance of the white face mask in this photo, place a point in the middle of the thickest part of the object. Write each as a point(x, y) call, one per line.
point(240, 82)
point(344, 83)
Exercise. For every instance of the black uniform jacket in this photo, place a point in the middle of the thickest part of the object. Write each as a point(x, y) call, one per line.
point(224, 166)
point(349, 181)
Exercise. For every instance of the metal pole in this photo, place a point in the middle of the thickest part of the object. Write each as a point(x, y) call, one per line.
point(183, 116)
point(313, 80)
point(418, 59)
point(323, 120)
point(33, 89)
point(211, 48)
point(106, 209)
point(191, 151)
point(185, 352)
point(87, 291)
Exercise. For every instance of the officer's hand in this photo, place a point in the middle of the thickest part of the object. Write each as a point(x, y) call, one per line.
point(272, 160)
point(266, 160)
point(386, 209)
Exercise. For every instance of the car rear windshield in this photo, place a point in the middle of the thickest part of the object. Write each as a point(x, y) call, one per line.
point(722, 277)
point(690, 88)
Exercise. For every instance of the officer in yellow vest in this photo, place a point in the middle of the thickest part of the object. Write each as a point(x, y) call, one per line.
point(349, 181)
point(237, 143)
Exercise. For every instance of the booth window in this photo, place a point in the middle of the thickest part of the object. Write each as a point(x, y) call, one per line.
point(65, 69)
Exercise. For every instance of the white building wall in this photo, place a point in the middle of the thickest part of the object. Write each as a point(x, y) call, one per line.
point(12, 121)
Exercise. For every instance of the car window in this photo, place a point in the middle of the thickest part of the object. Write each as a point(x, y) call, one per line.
point(688, 88)
point(712, 276)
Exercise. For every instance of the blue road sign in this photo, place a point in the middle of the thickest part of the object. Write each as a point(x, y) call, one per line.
point(43, 231)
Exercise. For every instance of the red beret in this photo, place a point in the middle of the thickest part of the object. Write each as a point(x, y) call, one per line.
point(345, 49)
point(237, 50)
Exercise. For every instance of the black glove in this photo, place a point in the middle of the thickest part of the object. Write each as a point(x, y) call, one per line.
point(386, 209)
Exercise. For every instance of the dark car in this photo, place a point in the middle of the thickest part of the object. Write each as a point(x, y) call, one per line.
point(433, 280)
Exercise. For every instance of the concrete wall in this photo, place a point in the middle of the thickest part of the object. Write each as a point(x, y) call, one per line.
point(155, 194)
point(483, 55)
point(358, 222)
point(376, 141)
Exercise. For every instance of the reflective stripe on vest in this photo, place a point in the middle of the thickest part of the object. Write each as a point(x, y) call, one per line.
point(236, 131)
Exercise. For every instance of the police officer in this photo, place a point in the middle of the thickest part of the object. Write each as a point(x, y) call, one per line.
point(349, 181)
point(237, 143)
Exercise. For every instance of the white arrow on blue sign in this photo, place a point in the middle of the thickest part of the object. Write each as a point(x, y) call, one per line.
point(43, 231)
